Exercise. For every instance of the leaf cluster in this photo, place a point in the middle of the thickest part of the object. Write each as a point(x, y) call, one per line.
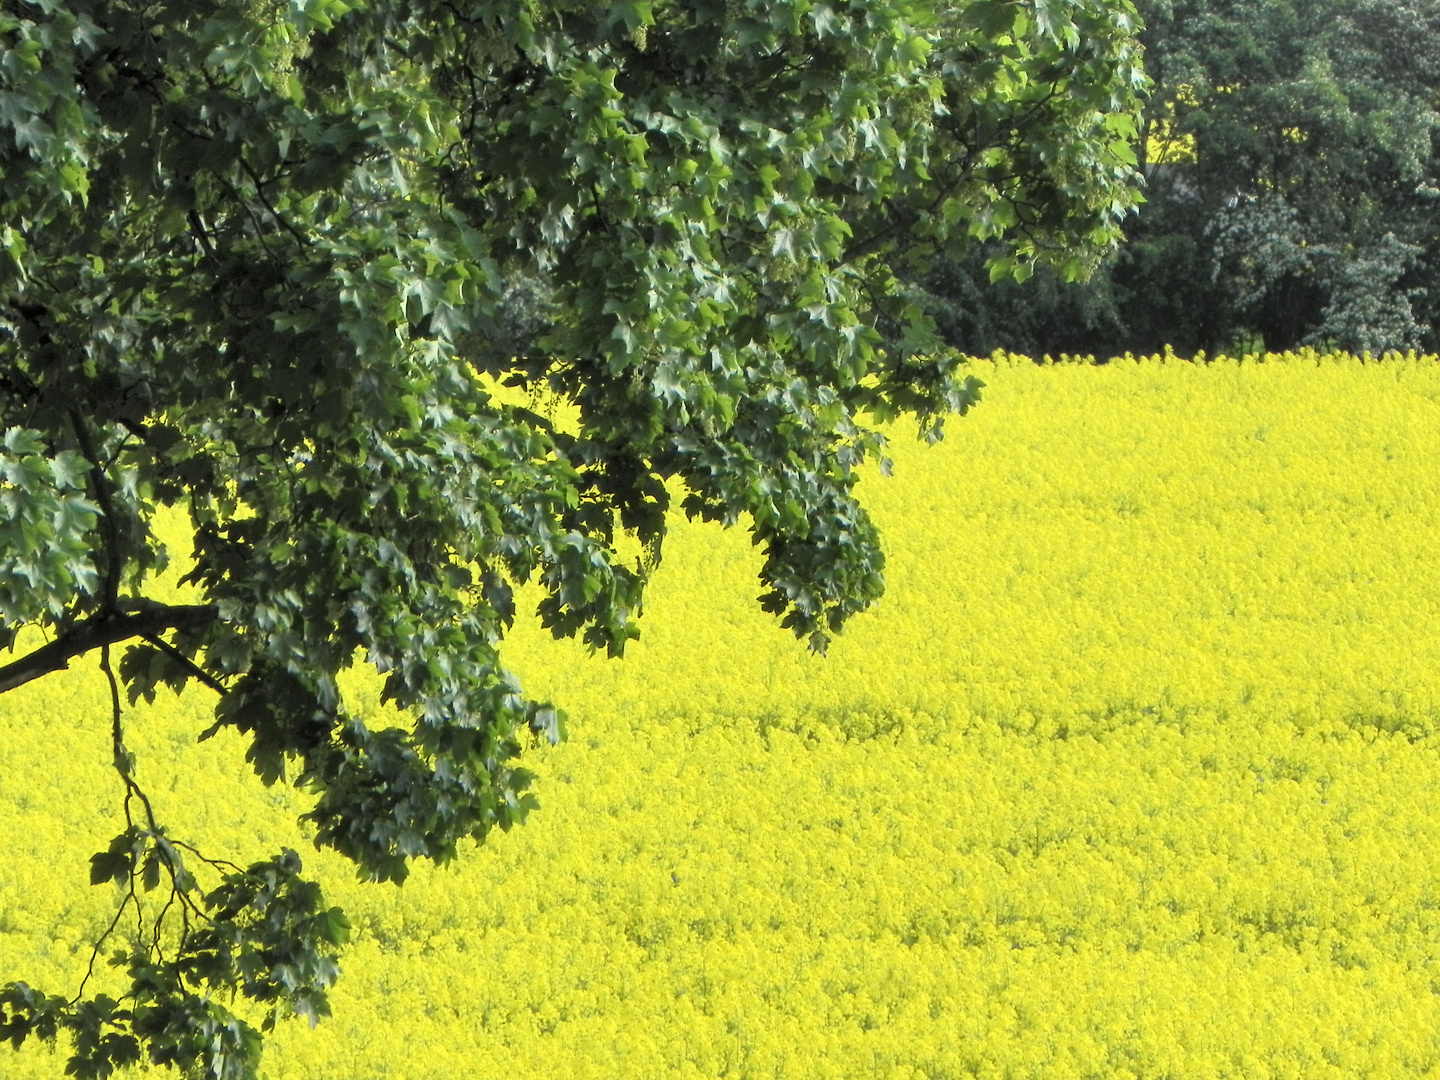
point(43, 531)
point(263, 932)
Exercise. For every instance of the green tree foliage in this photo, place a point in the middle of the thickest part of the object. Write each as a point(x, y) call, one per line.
point(267, 261)
point(1290, 153)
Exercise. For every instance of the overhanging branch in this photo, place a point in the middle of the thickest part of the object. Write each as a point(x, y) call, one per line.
point(148, 621)
point(196, 671)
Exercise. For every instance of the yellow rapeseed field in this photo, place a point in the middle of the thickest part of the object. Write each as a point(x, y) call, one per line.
point(1133, 773)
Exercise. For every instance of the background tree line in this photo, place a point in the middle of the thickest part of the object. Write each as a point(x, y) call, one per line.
point(1290, 158)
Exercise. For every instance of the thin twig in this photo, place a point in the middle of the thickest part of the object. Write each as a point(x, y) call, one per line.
point(184, 661)
point(265, 202)
point(217, 863)
point(160, 923)
point(90, 969)
point(172, 866)
point(117, 737)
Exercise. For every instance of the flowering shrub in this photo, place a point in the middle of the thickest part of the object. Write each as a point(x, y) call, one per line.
point(1132, 773)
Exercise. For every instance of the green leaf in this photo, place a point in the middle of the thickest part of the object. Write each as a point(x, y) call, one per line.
point(991, 17)
point(633, 13)
point(335, 926)
point(149, 870)
point(110, 866)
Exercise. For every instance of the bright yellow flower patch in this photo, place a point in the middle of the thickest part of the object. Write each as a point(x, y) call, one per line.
point(1132, 773)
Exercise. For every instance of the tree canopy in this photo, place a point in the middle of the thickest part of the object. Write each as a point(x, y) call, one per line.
point(267, 262)
point(1292, 176)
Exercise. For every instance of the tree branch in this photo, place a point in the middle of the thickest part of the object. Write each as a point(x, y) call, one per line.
point(98, 630)
point(900, 220)
point(184, 661)
point(107, 509)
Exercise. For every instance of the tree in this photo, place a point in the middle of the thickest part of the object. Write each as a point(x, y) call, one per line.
point(266, 262)
point(1290, 154)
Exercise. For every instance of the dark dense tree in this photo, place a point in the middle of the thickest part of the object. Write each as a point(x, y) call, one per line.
point(1289, 148)
point(265, 262)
